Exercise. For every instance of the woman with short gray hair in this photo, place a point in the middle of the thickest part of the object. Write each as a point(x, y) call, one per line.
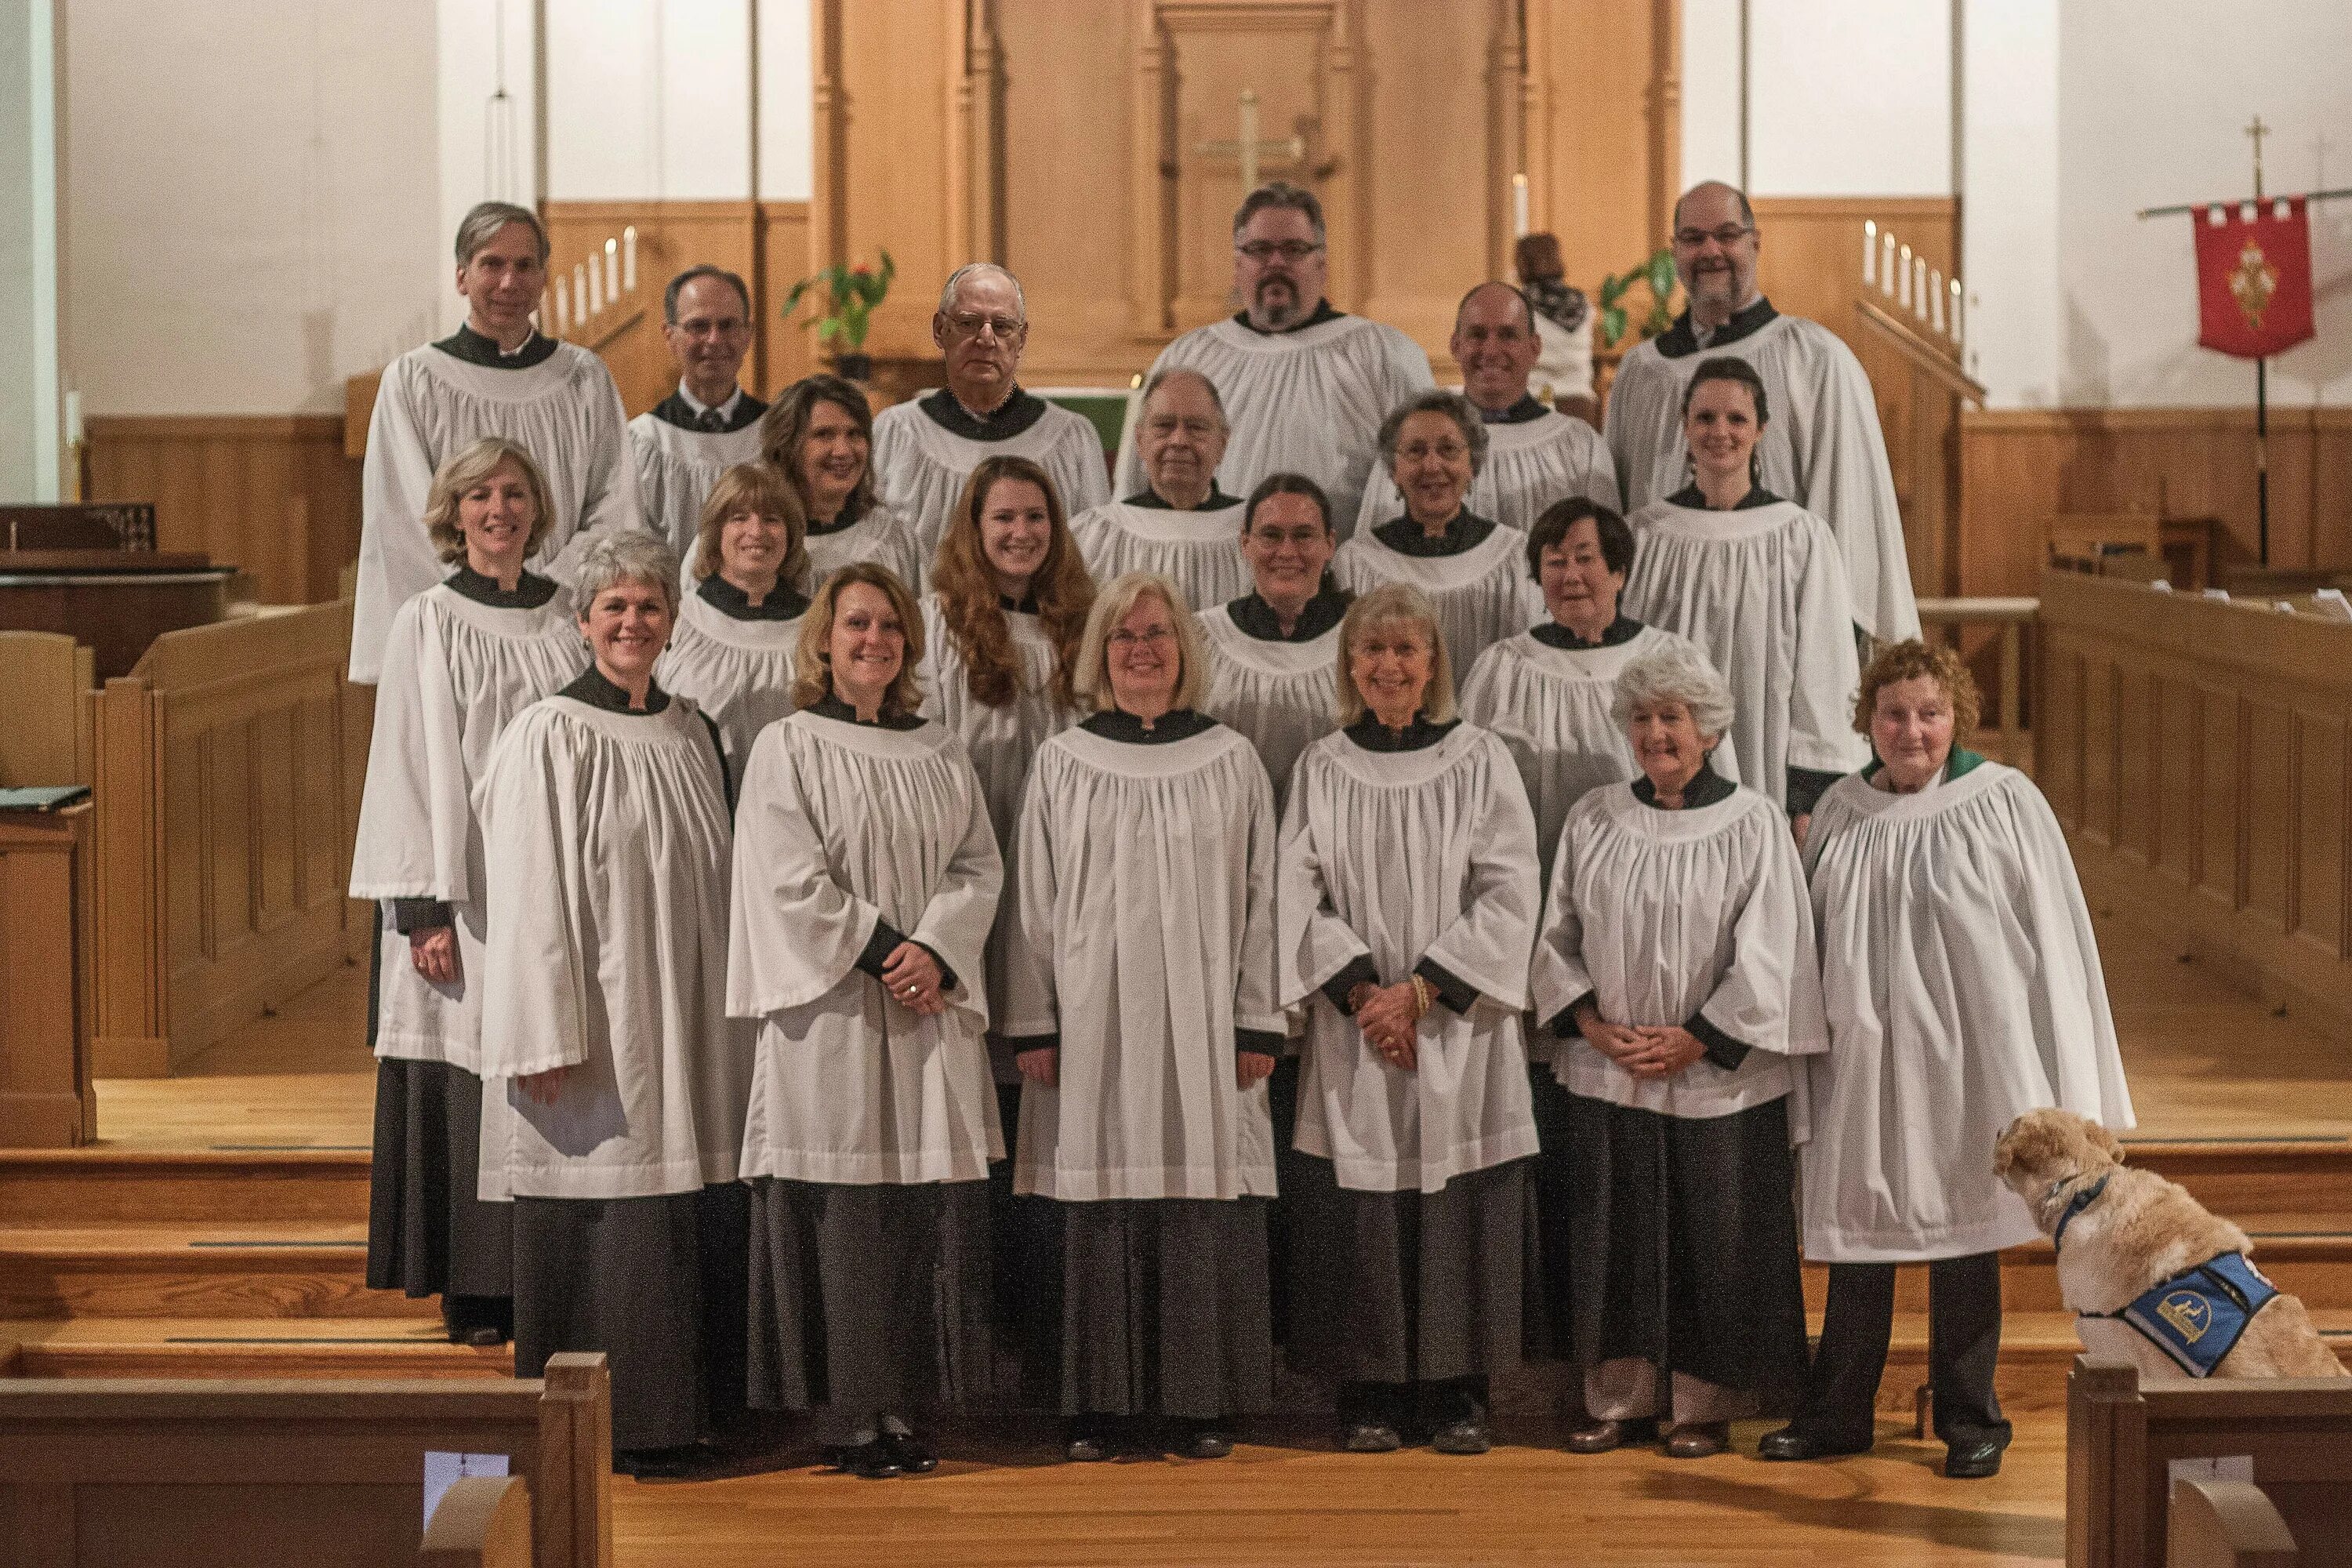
point(1676, 964)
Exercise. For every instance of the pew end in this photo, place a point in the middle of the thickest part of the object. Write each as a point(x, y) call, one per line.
point(2226, 1524)
point(483, 1521)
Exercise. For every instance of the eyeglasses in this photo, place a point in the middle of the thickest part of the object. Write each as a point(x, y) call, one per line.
point(1276, 538)
point(1444, 451)
point(1729, 235)
point(1004, 327)
point(1121, 637)
point(1288, 249)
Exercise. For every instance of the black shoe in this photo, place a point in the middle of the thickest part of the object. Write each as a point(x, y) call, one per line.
point(1467, 1435)
point(1369, 1436)
point(1200, 1439)
point(1087, 1442)
point(910, 1453)
point(1973, 1460)
point(1604, 1437)
point(871, 1461)
point(1794, 1443)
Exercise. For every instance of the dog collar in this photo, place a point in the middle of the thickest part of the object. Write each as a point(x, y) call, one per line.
point(2075, 1205)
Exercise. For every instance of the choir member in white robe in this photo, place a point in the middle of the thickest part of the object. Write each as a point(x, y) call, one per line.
point(866, 878)
point(1468, 568)
point(1755, 582)
point(1676, 964)
point(1405, 921)
point(1305, 385)
point(1141, 1001)
point(1563, 374)
point(1964, 990)
point(709, 424)
point(1181, 524)
point(926, 447)
point(1825, 451)
point(738, 631)
point(1273, 653)
point(604, 1022)
point(1536, 454)
point(820, 437)
point(496, 376)
point(463, 659)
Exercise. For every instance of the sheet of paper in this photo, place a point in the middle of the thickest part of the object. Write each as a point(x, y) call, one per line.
point(443, 1472)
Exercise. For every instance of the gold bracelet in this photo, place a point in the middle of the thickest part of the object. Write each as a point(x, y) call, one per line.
point(1421, 997)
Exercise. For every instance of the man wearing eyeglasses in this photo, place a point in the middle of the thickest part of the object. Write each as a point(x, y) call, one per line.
point(709, 424)
point(1305, 386)
point(926, 448)
point(1821, 447)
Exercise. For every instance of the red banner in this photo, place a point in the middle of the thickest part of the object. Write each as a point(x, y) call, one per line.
point(2253, 277)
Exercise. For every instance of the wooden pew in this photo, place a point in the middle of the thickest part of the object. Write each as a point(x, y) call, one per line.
point(2228, 1524)
point(112, 1474)
point(2122, 1436)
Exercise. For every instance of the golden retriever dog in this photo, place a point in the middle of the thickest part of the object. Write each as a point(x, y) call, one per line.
point(2122, 1233)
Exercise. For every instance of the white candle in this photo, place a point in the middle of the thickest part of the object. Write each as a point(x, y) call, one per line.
point(562, 308)
point(1904, 297)
point(1518, 204)
point(1869, 249)
point(1919, 288)
point(1936, 299)
point(613, 270)
point(1960, 337)
point(1886, 267)
point(629, 258)
point(73, 418)
point(579, 289)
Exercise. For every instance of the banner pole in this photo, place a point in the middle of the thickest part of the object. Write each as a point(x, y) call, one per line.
point(2263, 461)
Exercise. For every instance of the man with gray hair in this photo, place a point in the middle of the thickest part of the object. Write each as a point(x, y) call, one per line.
point(1305, 385)
point(1822, 448)
point(496, 376)
point(709, 424)
point(1180, 524)
point(926, 447)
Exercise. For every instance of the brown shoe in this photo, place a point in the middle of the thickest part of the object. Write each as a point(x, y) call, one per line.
point(1601, 1436)
point(1698, 1439)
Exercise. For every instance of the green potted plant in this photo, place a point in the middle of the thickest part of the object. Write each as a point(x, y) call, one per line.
point(851, 294)
point(1656, 274)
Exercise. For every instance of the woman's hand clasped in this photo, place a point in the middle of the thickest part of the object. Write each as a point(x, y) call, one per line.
point(912, 977)
point(433, 951)
point(1390, 1016)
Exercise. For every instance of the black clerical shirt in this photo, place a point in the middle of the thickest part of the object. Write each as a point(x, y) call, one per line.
point(475, 348)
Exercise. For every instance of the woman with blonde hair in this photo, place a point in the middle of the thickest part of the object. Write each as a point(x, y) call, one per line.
point(739, 630)
point(819, 434)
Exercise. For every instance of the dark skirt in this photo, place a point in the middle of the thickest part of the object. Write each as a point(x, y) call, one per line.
point(1153, 1306)
point(655, 1283)
point(428, 1234)
point(1408, 1286)
point(1678, 1245)
point(869, 1301)
point(1550, 1330)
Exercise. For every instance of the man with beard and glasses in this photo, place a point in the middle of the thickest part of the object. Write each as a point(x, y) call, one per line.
point(709, 424)
point(1824, 450)
point(1305, 386)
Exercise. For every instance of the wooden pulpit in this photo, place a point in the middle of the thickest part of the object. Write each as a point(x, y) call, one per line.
point(92, 573)
point(45, 1101)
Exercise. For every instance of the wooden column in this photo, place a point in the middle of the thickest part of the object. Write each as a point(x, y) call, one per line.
point(45, 1091)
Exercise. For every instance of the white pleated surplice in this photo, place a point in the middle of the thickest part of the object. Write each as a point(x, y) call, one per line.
point(919, 467)
point(1660, 916)
point(1964, 989)
point(1402, 857)
point(565, 412)
point(676, 469)
point(1822, 449)
point(454, 673)
point(1144, 879)
point(614, 963)
point(1282, 696)
point(1481, 597)
point(738, 672)
point(1528, 466)
point(878, 536)
point(1200, 551)
point(1760, 590)
point(840, 827)
point(1309, 401)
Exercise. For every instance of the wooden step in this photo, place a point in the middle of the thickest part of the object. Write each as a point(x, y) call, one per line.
point(2274, 1184)
point(210, 1186)
point(270, 1268)
point(243, 1347)
point(2315, 1266)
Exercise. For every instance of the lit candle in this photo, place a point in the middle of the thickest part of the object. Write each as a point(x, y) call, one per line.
point(1518, 204)
point(1869, 249)
point(1955, 317)
point(1903, 297)
point(629, 258)
point(1887, 265)
point(73, 418)
point(1936, 299)
point(612, 270)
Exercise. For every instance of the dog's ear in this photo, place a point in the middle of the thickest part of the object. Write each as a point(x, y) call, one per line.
point(2104, 1142)
point(2004, 1151)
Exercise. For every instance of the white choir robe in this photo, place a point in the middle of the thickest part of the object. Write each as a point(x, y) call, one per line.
point(565, 412)
point(1528, 466)
point(741, 673)
point(454, 673)
point(1822, 449)
point(1282, 696)
point(1660, 916)
point(616, 824)
point(920, 466)
point(840, 827)
point(1481, 596)
point(676, 468)
point(1144, 880)
point(878, 536)
point(1964, 989)
point(1759, 589)
point(1308, 401)
point(1401, 856)
point(1200, 551)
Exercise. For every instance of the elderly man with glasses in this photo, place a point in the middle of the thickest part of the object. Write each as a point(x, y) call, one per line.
point(1305, 386)
point(924, 449)
point(1823, 448)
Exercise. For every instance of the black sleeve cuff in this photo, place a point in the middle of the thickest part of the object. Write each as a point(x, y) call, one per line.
point(1017, 1044)
point(1264, 1042)
point(1359, 972)
point(412, 915)
point(1563, 1022)
point(879, 947)
point(947, 975)
point(1721, 1048)
point(1806, 786)
point(1452, 989)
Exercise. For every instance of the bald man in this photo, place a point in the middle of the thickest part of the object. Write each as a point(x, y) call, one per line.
point(1180, 524)
point(1534, 455)
point(1823, 448)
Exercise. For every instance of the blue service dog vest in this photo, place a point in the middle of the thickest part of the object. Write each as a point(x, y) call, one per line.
point(2197, 1316)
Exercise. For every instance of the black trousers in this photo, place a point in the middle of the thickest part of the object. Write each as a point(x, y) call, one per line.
point(1963, 1347)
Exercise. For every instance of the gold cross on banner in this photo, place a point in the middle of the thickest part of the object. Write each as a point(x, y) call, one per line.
point(1248, 148)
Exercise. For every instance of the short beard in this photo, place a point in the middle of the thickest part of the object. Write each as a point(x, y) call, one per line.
point(1277, 315)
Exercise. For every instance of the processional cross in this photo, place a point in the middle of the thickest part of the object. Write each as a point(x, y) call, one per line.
point(1248, 148)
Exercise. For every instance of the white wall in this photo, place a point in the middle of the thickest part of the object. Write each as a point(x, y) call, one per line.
point(787, 103)
point(1712, 128)
point(30, 430)
point(1849, 98)
point(2009, 208)
point(488, 145)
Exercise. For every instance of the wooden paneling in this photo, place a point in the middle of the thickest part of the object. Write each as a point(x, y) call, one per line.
point(46, 739)
point(44, 1062)
point(273, 494)
point(1603, 137)
point(2223, 727)
point(2021, 466)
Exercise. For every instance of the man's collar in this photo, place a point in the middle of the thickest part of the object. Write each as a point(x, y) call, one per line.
point(1528, 407)
point(1016, 413)
point(1323, 313)
point(475, 348)
point(726, 409)
point(1682, 339)
point(679, 408)
point(1217, 500)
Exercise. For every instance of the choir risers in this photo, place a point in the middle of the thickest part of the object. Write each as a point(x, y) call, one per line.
point(287, 1268)
point(243, 1347)
point(85, 1186)
point(2317, 1267)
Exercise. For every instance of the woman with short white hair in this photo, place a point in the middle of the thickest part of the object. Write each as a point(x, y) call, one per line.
point(1676, 962)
